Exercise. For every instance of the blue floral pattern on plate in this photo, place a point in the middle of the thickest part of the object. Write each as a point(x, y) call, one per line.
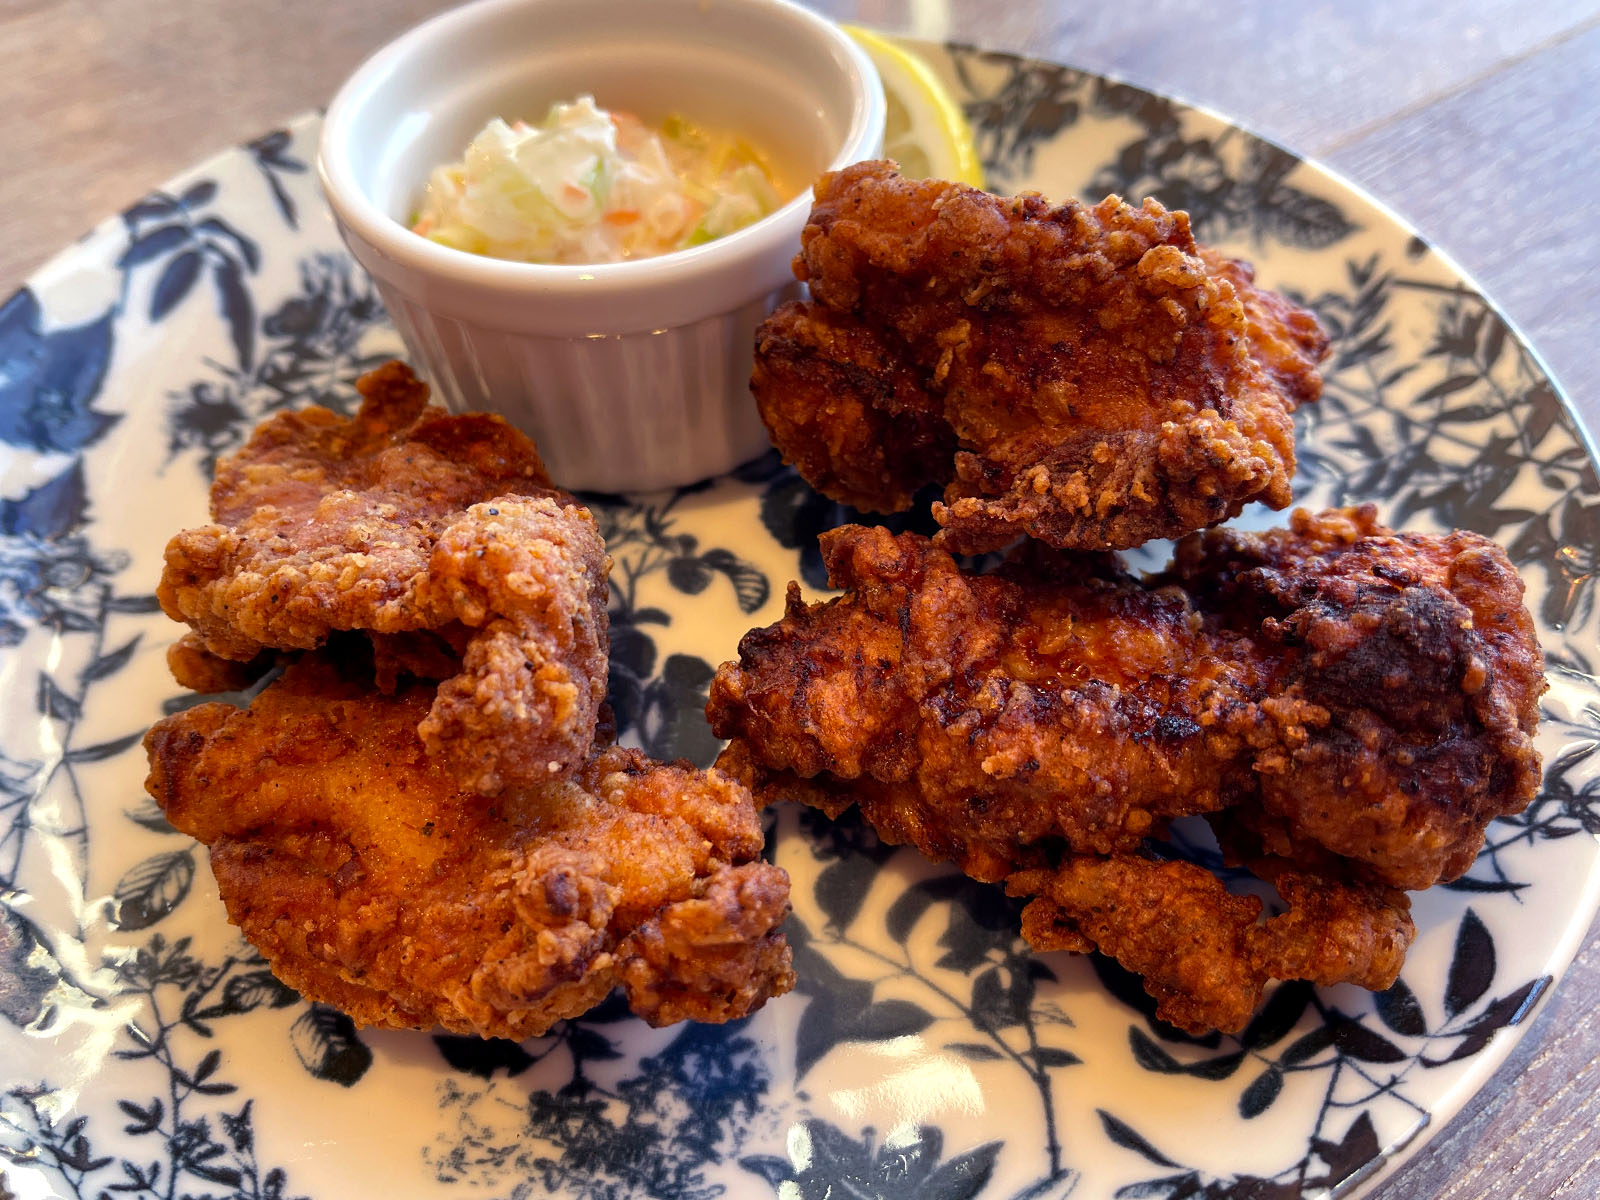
point(925, 1052)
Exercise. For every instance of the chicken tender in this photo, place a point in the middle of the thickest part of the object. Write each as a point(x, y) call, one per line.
point(372, 879)
point(439, 536)
point(1088, 376)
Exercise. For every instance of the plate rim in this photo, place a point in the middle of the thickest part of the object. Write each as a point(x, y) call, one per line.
point(1489, 1061)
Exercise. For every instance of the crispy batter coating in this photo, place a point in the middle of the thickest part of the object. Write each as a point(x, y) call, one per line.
point(1361, 703)
point(1205, 954)
point(1089, 376)
point(196, 668)
point(432, 533)
point(371, 879)
point(1401, 722)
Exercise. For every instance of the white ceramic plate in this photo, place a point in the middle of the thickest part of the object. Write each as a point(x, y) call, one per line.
point(147, 1052)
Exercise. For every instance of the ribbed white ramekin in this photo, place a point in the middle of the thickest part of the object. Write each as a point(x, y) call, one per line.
point(632, 375)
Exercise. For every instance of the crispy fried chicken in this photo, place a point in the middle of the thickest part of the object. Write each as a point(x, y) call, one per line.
point(1088, 376)
point(1352, 706)
point(374, 880)
point(441, 537)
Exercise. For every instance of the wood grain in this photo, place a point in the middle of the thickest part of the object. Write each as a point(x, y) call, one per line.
point(1509, 170)
point(105, 100)
point(1533, 1132)
point(1473, 120)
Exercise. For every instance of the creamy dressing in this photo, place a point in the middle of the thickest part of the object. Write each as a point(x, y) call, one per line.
point(589, 186)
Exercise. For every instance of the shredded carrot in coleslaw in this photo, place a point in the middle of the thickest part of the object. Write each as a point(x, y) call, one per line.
point(586, 186)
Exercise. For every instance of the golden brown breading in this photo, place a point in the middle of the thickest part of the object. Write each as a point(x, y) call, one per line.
point(528, 577)
point(401, 522)
point(1360, 702)
point(1401, 721)
point(371, 879)
point(1089, 376)
point(990, 719)
point(196, 668)
point(1205, 954)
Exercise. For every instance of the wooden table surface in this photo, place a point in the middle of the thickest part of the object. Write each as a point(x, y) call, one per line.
point(1475, 120)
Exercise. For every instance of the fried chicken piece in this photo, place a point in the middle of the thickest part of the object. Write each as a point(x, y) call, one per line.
point(1403, 716)
point(1205, 954)
point(1370, 692)
point(199, 670)
point(372, 880)
point(1360, 702)
point(1088, 376)
point(438, 535)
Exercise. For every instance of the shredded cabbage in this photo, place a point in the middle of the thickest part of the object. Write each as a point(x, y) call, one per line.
point(586, 186)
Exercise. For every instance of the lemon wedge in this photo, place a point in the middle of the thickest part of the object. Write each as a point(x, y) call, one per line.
point(924, 128)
